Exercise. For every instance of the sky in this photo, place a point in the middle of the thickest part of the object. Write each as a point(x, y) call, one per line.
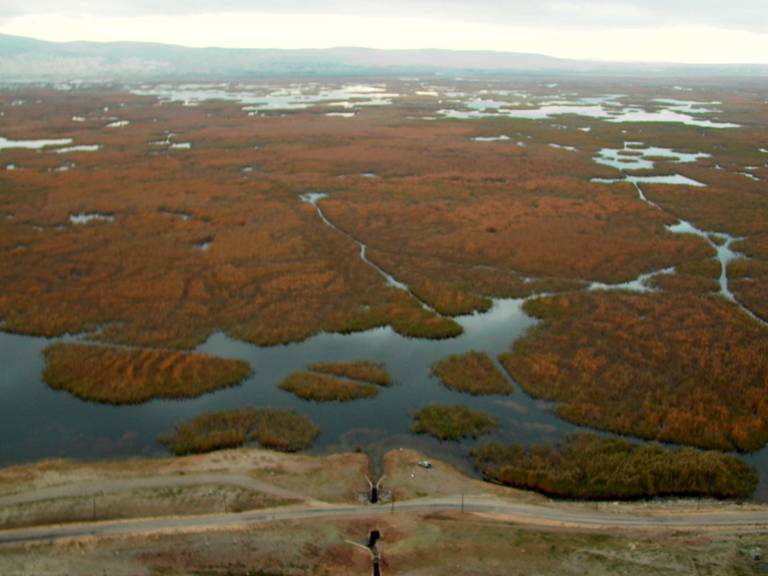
point(692, 31)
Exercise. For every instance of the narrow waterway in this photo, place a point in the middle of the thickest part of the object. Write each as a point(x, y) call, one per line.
point(313, 198)
point(721, 243)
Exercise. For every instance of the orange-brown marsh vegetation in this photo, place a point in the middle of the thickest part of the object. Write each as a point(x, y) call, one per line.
point(326, 388)
point(473, 373)
point(282, 430)
point(272, 271)
point(215, 238)
point(131, 376)
point(670, 367)
point(510, 222)
point(586, 466)
point(362, 370)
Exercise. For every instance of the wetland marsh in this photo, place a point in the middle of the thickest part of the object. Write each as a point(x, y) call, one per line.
point(434, 221)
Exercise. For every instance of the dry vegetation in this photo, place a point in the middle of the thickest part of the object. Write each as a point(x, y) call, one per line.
point(282, 430)
point(473, 373)
point(130, 376)
point(362, 370)
point(452, 422)
point(512, 222)
point(455, 231)
point(325, 388)
point(590, 467)
point(678, 368)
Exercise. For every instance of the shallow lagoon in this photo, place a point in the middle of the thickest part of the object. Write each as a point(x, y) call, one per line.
point(37, 422)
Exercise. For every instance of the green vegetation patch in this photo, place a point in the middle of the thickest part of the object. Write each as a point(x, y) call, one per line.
point(325, 388)
point(587, 466)
point(452, 422)
point(363, 370)
point(282, 430)
point(132, 376)
point(473, 373)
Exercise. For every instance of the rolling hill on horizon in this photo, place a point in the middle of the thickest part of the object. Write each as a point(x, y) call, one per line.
point(29, 59)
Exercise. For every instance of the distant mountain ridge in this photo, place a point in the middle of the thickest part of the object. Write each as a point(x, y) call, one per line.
point(28, 59)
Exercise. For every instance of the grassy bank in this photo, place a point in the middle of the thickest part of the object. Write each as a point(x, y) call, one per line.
point(129, 376)
point(473, 373)
point(281, 430)
point(452, 422)
point(587, 466)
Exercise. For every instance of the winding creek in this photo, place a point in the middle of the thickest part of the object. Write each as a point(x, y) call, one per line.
point(642, 159)
point(314, 198)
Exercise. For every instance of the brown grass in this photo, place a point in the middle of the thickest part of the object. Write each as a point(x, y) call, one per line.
point(363, 370)
point(325, 388)
point(586, 466)
point(125, 376)
point(281, 430)
point(473, 373)
point(678, 368)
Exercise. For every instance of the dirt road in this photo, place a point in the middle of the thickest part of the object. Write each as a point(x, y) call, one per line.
point(529, 514)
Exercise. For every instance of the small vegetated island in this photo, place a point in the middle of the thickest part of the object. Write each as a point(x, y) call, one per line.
point(473, 373)
point(338, 382)
point(363, 370)
point(282, 430)
point(685, 369)
point(586, 466)
point(132, 376)
point(452, 422)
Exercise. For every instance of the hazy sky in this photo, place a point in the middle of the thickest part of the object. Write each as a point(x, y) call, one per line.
point(662, 30)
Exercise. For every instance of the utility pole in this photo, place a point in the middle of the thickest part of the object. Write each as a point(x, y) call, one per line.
point(462, 502)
